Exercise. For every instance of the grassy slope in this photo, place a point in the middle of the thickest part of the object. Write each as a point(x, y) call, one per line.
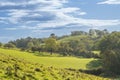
point(60, 62)
point(13, 67)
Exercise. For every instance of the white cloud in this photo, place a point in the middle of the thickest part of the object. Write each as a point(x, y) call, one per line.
point(7, 3)
point(68, 10)
point(11, 29)
point(40, 14)
point(82, 13)
point(18, 13)
point(110, 2)
point(92, 23)
point(41, 31)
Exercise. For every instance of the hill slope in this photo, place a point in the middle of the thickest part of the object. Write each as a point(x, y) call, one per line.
point(13, 67)
point(60, 62)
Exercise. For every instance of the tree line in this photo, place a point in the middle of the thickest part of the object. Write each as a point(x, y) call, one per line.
point(82, 46)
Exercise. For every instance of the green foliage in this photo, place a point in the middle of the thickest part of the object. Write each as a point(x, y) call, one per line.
point(17, 68)
point(30, 45)
point(64, 49)
point(78, 43)
point(9, 45)
point(95, 64)
point(73, 33)
point(98, 33)
point(1, 44)
point(110, 52)
point(51, 44)
point(27, 43)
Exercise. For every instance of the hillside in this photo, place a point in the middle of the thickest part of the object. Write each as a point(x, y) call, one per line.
point(60, 62)
point(20, 66)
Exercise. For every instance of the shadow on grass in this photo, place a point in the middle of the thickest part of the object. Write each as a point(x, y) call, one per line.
point(95, 64)
point(94, 67)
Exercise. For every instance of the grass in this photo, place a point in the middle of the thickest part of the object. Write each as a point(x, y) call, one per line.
point(16, 65)
point(60, 62)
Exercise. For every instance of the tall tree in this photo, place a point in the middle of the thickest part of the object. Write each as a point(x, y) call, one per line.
point(51, 44)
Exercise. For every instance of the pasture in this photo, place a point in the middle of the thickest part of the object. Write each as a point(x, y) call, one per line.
point(59, 62)
point(17, 65)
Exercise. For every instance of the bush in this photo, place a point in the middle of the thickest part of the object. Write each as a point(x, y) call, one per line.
point(93, 71)
point(9, 45)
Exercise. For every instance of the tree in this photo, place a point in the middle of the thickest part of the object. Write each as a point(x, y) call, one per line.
point(0, 44)
point(52, 35)
point(74, 33)
point(92, 32)
point(51, 44)
point(33, 49)
point(30, 45)
point(110, 52)
point(9, 45)
point(65, 49)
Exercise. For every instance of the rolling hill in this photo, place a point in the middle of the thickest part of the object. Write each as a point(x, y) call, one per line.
point(16, 65)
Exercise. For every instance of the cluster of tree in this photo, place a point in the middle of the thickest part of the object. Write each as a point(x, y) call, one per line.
point(73, 33)
point(92, 32)
point(110, 52)
point(76, 47)
point(7, 45)
point(27, 43)
point(81, 47)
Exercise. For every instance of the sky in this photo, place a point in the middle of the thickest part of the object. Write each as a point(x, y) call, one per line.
point(40, 18)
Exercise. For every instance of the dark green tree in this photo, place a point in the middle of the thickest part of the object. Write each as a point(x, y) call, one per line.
point(1, 44)
point(110, 52)
point(65, 49)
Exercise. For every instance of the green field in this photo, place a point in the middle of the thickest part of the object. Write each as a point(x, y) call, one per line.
point(17, 65)
point(60, 62)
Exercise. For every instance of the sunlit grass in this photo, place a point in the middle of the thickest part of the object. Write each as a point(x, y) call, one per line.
point(16, 65)
point(60, 62)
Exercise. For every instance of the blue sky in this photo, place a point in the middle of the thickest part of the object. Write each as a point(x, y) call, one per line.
point(40, 18)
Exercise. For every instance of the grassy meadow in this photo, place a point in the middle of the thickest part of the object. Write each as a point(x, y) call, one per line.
point(17, 65)
point(60, 62)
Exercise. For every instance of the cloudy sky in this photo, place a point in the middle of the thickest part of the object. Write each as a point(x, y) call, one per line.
point(39, 18)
